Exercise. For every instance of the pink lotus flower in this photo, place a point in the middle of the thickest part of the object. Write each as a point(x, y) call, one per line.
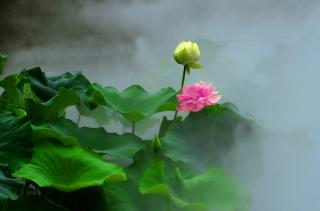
point(197, 96)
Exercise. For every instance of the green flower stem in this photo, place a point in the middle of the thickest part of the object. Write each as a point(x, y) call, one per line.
point(185, 68)
point(133, 127)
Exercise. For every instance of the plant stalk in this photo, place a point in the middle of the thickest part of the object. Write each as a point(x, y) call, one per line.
point(185, 67)
point(78, 120)
point(133, 127)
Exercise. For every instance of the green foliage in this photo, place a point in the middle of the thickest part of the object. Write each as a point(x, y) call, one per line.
point(48, 162)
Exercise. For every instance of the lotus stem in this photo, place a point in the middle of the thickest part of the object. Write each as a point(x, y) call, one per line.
point(78, 120)
point(133, 127)
point(185, 67)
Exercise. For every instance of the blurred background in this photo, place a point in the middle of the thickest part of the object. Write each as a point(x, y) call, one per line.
point(262, 55)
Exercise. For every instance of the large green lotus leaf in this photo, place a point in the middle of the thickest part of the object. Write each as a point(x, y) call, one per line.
point(134, 103)
point(3, 58)
point(119, 147)
point(15, 139)
point(9, 187)
point(54, 108)
point(48, 87)
point(68, 168)
point(203, 138)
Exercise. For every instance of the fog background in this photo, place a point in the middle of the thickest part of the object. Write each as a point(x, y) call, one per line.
point(262, 55)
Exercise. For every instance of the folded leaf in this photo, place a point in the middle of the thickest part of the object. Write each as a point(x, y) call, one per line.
point(54, 108)
point(134, 103)
point(48, 87)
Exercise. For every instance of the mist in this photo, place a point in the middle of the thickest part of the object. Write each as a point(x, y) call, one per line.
point(262, 55)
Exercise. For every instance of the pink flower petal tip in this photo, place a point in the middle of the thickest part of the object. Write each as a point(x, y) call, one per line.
point(197, 96)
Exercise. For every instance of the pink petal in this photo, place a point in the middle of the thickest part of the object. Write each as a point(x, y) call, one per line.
point(195, 97)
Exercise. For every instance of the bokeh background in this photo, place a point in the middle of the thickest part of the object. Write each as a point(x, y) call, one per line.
point(263, 55)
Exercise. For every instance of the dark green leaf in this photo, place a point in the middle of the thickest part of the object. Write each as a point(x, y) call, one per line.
point(54, 108)
point(16, 91)
point(15, 139)
point(9, 187)
point(48, 87)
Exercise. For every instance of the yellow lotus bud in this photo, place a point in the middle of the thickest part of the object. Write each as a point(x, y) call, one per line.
point(187, 53)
